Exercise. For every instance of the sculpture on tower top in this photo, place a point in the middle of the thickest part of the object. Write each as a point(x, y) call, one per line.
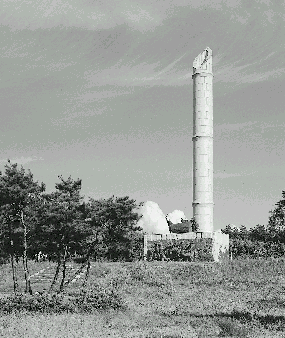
point(203, 62)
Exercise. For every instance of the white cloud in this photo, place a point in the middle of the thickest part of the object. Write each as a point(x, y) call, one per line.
point(246, 73)
point(124, 72)
point(74, 103)
point(22, 160)
point(269, 16)
point(215, 4)
point(52, 13)
point(170, 66)
point(227, 175)
point(31, 15)
point(241, 18)
point(234, 126)
point(257, 77)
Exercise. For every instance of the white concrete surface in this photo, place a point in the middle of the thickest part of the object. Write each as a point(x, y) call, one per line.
point(203, 140)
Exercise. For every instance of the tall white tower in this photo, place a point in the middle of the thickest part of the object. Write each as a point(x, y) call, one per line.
point(203, 141)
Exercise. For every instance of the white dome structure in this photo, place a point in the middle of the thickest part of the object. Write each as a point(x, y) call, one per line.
point(153, 219)
point(175, 216)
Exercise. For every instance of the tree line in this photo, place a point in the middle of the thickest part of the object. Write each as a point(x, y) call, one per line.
point(61, 225)
point(260, 241)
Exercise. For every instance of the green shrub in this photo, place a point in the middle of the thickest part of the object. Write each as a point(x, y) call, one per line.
point(242, 248)
point(181, 250)
point(79, 260)
point(232, 328)
point(86, 300)
point(44, 303)
point(97, 297)
point(4, 260)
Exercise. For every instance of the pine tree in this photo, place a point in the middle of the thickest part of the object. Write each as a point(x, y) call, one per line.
point(114, 221)
point(276, 222)
point(60, 223)
point(16, 189)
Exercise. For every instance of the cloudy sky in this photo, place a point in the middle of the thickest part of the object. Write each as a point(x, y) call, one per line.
point(102, 91)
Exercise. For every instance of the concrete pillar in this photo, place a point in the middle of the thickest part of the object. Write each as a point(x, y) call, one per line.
point(203, 141)
point(145, 247)
point(220, 248)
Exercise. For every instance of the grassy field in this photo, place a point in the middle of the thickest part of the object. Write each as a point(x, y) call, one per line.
point(243, 298)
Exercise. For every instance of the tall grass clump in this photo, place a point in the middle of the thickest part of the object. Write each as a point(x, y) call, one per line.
point(152, 276)
point(42, 303)
point(99, 296)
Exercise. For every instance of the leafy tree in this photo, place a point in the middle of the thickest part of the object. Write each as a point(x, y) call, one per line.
point(60, 222)
point(243, 232)
point(113, 224)
point(169, 223)
point(16, 188)
point(4, 240)
point(235, 232)
point(259, 233)
point(194, 224)
point(276, 222)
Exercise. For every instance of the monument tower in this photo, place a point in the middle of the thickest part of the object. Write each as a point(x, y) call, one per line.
point(203, 141)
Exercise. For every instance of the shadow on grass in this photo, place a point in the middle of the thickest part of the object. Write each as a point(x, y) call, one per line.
point(267, 321)
point(276, 302)
point(235, 323)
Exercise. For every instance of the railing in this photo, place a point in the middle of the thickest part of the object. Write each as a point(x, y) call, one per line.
point(186, 235)
point(173, 236)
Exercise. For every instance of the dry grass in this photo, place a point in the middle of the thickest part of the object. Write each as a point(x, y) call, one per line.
point(173, 299)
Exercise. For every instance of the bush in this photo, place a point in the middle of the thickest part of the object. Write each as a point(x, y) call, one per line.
point(181, 250)
point(44, 303)
point(97, 297)
point(241, 248)
point(79, 260)
point(4, 260)
point(86, 300)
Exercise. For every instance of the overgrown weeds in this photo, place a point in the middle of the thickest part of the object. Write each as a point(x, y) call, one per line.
point(87, 300)
point(151, 275)
point(233, 299)
point(242, 319)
